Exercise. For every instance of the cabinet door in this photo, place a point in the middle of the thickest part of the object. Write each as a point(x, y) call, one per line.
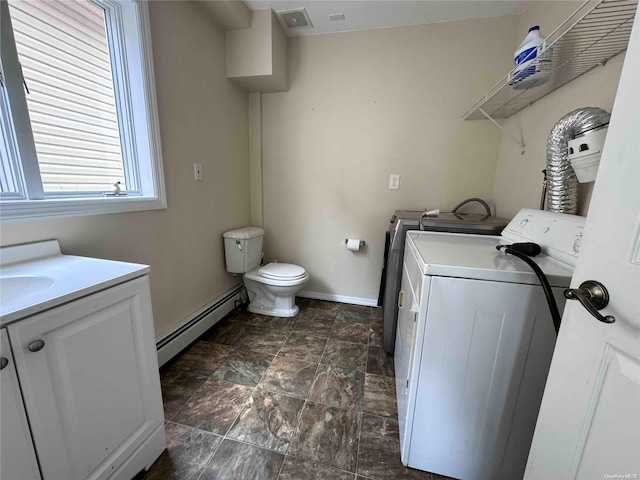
point(17, 457)
point(92, 391)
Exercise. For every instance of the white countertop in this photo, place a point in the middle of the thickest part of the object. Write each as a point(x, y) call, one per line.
point(52, 278)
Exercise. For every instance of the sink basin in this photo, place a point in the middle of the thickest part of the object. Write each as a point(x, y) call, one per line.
point(17, 287)
point(35, 277)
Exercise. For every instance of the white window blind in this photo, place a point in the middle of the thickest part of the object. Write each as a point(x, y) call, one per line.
point(90, 118)
point(64, 52)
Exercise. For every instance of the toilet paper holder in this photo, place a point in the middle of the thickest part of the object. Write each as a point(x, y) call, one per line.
point(362, 244)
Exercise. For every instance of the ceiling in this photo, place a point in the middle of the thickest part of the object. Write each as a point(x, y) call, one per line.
point(366, 14)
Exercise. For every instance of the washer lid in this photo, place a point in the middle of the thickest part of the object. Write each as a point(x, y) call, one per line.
point(476, 257)
point(282, 271)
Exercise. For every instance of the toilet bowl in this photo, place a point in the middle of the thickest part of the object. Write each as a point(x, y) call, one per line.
point(272, 288)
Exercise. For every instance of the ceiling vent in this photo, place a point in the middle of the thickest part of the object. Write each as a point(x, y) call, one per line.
point(295, 18)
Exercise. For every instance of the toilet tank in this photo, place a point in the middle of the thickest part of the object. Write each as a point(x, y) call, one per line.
point(243, 249)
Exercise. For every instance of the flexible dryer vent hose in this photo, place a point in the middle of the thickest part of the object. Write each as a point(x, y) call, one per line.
point(562, 183)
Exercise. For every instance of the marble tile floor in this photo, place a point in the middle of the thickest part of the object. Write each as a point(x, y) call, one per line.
point(266, 398)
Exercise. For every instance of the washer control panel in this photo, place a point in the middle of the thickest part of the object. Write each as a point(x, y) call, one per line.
point(559, 234)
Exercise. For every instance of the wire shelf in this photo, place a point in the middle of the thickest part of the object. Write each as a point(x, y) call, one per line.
point(591, 36)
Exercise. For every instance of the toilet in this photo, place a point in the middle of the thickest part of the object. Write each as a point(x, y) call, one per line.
point(272, 288)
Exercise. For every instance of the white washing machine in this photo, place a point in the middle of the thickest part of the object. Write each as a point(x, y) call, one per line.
point(474, 344)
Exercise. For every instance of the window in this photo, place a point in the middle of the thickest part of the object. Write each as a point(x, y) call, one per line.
point(77, 109)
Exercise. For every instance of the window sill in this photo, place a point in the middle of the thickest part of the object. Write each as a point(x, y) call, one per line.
point(72, 207)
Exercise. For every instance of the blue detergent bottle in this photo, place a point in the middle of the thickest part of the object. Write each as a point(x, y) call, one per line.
point(531, 69)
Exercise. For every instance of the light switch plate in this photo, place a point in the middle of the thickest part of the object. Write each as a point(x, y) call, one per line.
point(197, 171)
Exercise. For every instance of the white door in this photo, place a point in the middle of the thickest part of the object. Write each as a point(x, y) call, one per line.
point(89, 376)
point(589, 421)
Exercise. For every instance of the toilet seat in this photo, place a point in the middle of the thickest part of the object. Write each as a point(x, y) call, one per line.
point(282, 271)
point(274, 274)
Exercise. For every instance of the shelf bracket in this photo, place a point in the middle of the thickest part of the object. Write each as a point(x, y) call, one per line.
point(520, 143)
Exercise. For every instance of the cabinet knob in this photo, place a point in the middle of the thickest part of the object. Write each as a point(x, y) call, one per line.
point(3, 362)
point(36, 345)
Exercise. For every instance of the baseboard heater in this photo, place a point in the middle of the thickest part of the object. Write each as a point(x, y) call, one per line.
point(172, 343)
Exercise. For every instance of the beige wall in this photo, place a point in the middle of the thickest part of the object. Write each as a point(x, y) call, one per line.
point(518, 181)
point(203, 119)
point(364, 105)
point(361, 106)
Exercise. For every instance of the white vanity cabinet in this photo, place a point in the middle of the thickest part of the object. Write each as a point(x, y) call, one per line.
point(88, 372)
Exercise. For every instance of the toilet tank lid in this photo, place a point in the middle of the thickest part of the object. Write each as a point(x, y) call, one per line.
point(244, 233)
point(282, 270)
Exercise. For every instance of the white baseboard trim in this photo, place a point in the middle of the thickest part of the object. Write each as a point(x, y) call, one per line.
point(172, 343)
point(369, 302)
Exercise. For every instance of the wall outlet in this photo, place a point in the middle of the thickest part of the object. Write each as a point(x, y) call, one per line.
point(197, 171)
point(394, 182)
